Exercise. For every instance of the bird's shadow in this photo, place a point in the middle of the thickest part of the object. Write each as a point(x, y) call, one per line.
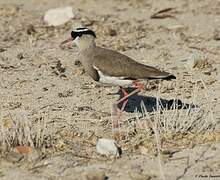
point(151, 104)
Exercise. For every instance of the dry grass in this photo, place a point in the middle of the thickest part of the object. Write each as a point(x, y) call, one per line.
point(165, 131)
point(18, 130)
point(172, 128)
point(180, 121)
point(175, 128)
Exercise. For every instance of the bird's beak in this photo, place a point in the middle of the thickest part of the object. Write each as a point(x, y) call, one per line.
point(69, 41)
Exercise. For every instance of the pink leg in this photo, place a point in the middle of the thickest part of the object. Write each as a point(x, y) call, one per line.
point(119, 111)
point(124, 99)
point(137, 85)
point(124, 102)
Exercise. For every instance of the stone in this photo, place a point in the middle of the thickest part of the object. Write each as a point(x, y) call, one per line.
point(58, 16)
point(108, 147)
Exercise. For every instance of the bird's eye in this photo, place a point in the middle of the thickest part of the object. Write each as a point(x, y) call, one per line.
point(73, 34)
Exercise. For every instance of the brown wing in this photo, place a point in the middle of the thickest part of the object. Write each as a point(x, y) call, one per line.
point(91, 71)
point(119, 65)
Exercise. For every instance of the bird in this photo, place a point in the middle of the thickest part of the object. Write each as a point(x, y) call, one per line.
point(111, 67)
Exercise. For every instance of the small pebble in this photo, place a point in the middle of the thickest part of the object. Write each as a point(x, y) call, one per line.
point(108, 147)
point(216, 35)
point(31, 29)
point(20, 56)
point(112, 32)
point(77, 63)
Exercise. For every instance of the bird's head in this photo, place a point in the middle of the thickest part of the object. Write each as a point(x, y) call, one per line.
point(82, 37)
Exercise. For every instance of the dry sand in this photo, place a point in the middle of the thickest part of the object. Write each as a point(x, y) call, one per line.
point(39, 81)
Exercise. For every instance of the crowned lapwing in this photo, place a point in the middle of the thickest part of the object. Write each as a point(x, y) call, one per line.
point(111, 67)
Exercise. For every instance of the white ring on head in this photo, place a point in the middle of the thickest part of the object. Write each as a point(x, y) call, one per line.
point(81, 30)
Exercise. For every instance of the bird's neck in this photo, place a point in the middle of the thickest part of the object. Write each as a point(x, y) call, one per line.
point(83, 45)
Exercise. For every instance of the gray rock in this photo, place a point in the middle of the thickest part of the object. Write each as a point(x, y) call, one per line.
point(58, 16)
point(108, 147)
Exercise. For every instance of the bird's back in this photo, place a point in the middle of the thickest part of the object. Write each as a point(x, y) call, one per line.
point(118, 65)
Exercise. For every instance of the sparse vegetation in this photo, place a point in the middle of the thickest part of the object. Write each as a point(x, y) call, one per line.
point(176, 127)
point(19, 130)
point(171, 130)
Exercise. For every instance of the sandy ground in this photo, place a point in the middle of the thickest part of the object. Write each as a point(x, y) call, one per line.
point(39, 81)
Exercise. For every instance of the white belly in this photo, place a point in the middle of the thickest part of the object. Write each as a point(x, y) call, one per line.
point(117, 81)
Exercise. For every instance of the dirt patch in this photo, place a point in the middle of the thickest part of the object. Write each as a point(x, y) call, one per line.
point(171, 129)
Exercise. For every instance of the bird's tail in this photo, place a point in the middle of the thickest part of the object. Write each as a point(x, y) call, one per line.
point(167, 77)
point(170, 77)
